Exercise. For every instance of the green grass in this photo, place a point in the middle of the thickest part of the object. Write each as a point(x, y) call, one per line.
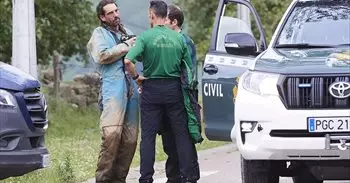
point(73, 140)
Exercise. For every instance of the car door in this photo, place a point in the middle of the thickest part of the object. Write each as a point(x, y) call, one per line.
point(221, 70)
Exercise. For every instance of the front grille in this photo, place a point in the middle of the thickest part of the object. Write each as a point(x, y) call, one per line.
point(311, 92)
point(36, 106)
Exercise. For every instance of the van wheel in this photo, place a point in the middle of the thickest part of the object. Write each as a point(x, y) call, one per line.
point(257, 171)
point(305, 176)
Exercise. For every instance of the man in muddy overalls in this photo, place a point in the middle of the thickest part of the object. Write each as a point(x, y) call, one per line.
point(119, 117)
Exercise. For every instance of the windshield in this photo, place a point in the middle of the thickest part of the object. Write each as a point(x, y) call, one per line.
point(318, 23)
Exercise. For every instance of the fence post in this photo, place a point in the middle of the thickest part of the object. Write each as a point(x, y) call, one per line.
point(56, 74)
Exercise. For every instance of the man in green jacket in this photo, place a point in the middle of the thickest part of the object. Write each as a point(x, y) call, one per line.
point(163, 51)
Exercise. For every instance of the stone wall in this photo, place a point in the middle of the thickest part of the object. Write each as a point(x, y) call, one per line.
point(82, 91)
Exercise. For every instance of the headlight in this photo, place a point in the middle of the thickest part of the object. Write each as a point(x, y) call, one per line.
point(7, 99)
point(261, 83)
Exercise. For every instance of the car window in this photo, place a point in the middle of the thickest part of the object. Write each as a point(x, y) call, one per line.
point(318, 23)
point(234, 21)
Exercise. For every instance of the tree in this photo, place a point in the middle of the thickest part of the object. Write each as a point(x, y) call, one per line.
point(200, 16)
point(5, 30)
point(61, 25)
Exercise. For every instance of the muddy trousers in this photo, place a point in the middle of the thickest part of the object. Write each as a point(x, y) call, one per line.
point(119, 131)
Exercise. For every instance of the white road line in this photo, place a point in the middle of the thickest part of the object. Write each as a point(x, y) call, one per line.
point(203, 174)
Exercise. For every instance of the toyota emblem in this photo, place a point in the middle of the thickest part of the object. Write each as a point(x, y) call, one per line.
point(340, 89)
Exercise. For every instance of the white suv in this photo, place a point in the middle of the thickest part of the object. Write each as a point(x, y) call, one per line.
point(286, 104)
point(292, 109)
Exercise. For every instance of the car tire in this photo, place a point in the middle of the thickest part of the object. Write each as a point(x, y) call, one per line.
point(258, 171)
point(305, 176)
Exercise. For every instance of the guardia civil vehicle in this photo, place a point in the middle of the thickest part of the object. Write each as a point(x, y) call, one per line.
point(287, 104)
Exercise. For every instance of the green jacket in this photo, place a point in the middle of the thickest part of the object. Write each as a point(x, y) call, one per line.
point(190, 93)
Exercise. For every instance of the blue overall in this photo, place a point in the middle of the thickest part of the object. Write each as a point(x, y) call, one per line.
point(120, 115)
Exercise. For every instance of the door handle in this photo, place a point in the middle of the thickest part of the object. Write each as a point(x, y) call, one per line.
point(210, 69)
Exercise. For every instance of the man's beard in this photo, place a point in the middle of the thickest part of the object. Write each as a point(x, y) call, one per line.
point(114, 23)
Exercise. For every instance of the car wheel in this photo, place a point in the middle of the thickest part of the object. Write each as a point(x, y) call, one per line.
point(258, 171)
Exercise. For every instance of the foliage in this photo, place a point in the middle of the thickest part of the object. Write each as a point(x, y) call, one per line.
point(62, 25)
point(5, 30)
point(65, 170)
point(200, 16)
point(270, 12)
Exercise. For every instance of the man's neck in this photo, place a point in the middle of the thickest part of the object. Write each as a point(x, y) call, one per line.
point(177, 29)
point(159, 21)
point(113, 28)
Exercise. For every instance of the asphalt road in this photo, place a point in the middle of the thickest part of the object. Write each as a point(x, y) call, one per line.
point(218, 165)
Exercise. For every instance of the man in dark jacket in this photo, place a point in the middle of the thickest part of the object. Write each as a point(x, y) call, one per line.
point(175, 21)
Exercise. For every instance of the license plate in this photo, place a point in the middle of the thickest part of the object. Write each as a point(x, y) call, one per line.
point(45, 160)
point(328, 124)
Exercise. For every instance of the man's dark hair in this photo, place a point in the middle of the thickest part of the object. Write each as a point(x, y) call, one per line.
point(99, 9)
point(159, 7)
point(174, 12)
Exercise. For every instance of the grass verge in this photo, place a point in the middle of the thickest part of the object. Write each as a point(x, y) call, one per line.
point(73, 140)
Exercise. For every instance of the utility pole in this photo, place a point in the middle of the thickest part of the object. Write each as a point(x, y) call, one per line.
point(24, 36)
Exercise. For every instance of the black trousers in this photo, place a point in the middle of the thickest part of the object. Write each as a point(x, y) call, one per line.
point(172, 167)
point(162, 99)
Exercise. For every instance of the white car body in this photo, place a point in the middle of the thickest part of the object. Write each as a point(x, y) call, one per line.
point(271, 114)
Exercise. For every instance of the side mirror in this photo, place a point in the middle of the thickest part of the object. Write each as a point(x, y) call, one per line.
point(240, 44)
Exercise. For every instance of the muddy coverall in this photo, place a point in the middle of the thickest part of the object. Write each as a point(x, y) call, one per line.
point(120, 115)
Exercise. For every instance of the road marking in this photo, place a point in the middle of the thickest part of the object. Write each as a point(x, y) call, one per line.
point(203, 174)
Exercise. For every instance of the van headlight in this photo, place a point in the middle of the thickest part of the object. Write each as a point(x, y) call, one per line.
point(260, 83)
point(7, 99)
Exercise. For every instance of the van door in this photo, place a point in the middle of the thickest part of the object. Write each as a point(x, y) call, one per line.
point(222, 68)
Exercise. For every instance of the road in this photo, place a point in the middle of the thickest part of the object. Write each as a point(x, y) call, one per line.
point(218, 165)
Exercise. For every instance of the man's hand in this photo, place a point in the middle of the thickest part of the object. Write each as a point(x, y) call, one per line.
point(140, 80)
point(131, 41)
point(130, 67)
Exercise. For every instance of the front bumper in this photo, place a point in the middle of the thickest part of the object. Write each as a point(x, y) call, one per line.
point(17, 163)
point(292, 140)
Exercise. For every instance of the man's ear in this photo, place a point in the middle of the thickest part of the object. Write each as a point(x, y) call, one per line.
point(174, 22)
point(102, 18)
